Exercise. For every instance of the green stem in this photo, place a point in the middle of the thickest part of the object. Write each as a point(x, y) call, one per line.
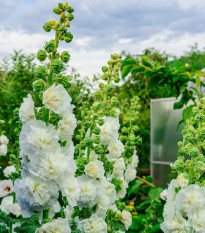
point(11, 228)
point(88, 154)
point(14, 197)
point(45, 214)
point(50, 78)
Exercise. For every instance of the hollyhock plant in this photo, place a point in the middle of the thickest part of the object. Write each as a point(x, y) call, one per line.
point(185, 196)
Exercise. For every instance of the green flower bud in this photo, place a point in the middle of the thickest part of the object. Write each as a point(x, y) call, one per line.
point(52, 22)
point(57, 11)
point(101, 85)
point(62, 30)
point(116, 79)
point(109, 88)
point(97, 94)
point(49, 47)
point(69, 9)
point(67, 24)
point(88, 141)
point(47, 27)
point(70, 17)
point(98, 149)
point(65, 56)
point(68, 37)
point(104, 69)
point(96, 139)
point(41, 55)
point(194, 152)
point(38, 85)
point(96, 130)
point(114, 100)
point(179, 164)
point(57, 66)
point(12, 156)
point(40, 72)
point(60, 5)
point(101, 122)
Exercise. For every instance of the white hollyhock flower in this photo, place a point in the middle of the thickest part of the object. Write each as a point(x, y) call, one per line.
point(197, 220)
point(169, 210)
point(110, 191)
point(135, 160)
point(119, 168)
point(6, 187)
point(67, 126)
point(182, 181)
point(9, 170)
point(36, 137)
point(190, 198)
point(109, 130)
point(15, 209)
point(171, 193)
point(3, 149)
point(163, 195)
point(93, 224)
point(176, 225)
point(57, 99)
point(34, 193)
point(102, 207)
point(90, 191)
point(123, 184)
point(116, 148)
point(95, 169)
point(126, 219)
point(26, 111)
point(70, 189)
point(58, 225)
point(4, 139)
point(54, 164)
point(6, 204)
point(130, 173)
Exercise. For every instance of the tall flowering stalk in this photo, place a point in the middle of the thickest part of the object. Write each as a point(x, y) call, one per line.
point(184, 210)
point(46, 146)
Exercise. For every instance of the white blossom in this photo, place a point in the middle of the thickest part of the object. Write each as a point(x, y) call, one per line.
point(110, 191)
point(6, 204)
point(15, 209)
point(90, 191)
point(135, 159)
point(95, 169)
point(4, 139)
point(196, 220)
point(9, 170)
point(126, 219)
point(3, 149)
point(67, 126)
point(163, 195)
point(58, 225)
point(123, 184)
point(130, 173)
point(109, 130)
point(6, 187)
point(57, 99)
point(26, 111)
point(93, 224)
point(119, 168)
point(182, 181)
point(190, 198)
point(116, 148)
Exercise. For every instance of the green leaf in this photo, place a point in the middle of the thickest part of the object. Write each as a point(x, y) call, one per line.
point(137, 222)
point(154, 193)
point(5, 218)
point(129, 61)
point(138, 69)
point(198, 80)
point(29, 225)
point(146, 63)
point(125, 70)
point(135, 188)
point(178, 105)
point(187, 113)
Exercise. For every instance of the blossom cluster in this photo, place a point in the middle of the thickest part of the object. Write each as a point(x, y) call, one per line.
point(8, 204)
point(3, 145)
point(184, 210)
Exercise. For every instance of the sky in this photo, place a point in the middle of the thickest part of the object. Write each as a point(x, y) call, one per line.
point(102, 27)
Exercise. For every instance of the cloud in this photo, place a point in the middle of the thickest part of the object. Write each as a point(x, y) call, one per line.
point(102, 27)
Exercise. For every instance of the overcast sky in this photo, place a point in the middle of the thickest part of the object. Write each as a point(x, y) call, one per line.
point(102, 27)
